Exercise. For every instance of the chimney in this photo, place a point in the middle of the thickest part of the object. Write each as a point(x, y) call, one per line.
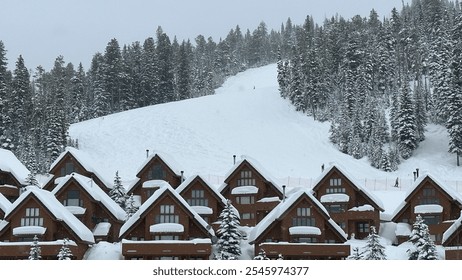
point(283, 193)
point(415, 175)
point(322, 167)
point(182, 173)
point(147, 153)
point(234, 159)
point(417, 172)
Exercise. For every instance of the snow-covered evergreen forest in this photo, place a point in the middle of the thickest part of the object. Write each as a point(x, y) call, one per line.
point(379, 81)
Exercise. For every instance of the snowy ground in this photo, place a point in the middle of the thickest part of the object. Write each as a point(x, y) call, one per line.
point(247, 117)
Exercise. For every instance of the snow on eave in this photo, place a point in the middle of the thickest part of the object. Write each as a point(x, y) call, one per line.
point(83, 160)
point(167, 159)
point(58, 211)
point(151, 200)
point(95, 192)
point(428, 208)
point(5, 204)
point(11, 164)
point(282, 207)
point(374, 199)
point(258, 167)
point(444, 187)
point(335, 197)
point(452, 230)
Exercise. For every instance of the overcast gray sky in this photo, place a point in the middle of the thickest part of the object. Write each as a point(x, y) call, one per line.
point(42, 30)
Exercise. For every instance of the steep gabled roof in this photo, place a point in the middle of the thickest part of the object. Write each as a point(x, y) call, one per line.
point(166, 189)
point(174, 166)
point(5, 204)
point(95, 192)
point(83, 159)
point(59, 212)
point(452, 230)
point(186, 183)
point(11, 164)
point(280, 211)
point(258, 167)
point(450, 192)
point(375, 201)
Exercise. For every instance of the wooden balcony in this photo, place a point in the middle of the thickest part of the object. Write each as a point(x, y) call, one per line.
point(184, 249)
point(49, 250)
point(302, 251)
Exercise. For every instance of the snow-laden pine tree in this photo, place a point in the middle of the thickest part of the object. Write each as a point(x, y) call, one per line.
point(374, 250)
point(424, 248)
point(229, 235)
point(117, 193)
point(407, 134)
point(261, 256)
point(356, 255)
point(35, 252)
point(65, 253)
point(130, 207)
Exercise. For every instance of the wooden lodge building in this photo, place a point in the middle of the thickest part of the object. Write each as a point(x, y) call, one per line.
point(166, 227)
point(438, 204)
point(349, 204)
point(13, 175)
point(300, 228)
point(252, 191)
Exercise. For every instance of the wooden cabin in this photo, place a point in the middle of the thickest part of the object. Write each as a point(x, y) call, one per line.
point(13, 175)
point(203, 198)
point(438, 204)
point(252, 191)
point(74, 161)
point(158, 167)
point(349, 204)
point(452, 240)
point(165, 227)
point(90, 204)
point(300, 228)
point(38, 213)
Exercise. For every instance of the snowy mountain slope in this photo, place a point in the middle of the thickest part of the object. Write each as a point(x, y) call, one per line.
point(246, 116)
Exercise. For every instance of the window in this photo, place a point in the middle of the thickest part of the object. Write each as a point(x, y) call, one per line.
point(73, 199)
point(246, 179)
point(303, 217)
point(247, 216)
point(429, 196)
point(166, 237)
point(167, 215)
point(335, 182)
point(198, 198)
point(32, 218)
point(363, 227)
point(431, 219)
point(304, 239)
point(245, 199)
point(157, 173)
point(335, 208)
point(67, 169)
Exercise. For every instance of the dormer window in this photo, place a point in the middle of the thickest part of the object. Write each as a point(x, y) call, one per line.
point(335, 186)
point(198, 198)
point(167, 215)
point(73, 199)
point(157, 173)
point(67, 169)
point(429, 196)
point(32, 218)
point(303, 217)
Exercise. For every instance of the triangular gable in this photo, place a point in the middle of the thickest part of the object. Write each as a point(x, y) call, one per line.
point(168, 162)
point(5, 204)
point(94, 191)
point(11, 164)
point(280, 212)
point(454, 230)
point(451, 194)
point(56, 210)
point(82, 159)
point(373, 200)
point(252, 163)
point(189, 182)
point(148, 204)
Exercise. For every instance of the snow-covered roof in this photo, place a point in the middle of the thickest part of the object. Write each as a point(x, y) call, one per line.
point(428, 208)
point(57, 209)
point(282, 207)
point(102, 229)
point(304, 230)
point(95, 192)
point(29, 230)
point(258, 167)
point(153, 184)
point(184, 185)
point(452, 229)
point(11, 164)
point(444, 187)
point(365, 207)
point(355, 183)
point(156, 195)
point(270, 199)
point(166, 227)
point(245, 190)
point(83, 159)
point(76, 210)
point(403, 229)
point(335, 197)
point(202, 210)
point(5, 204)
point(167, 159)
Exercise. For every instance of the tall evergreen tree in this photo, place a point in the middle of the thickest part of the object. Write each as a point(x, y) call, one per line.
point(229, 235)
point(407, 137)
point(117, 193)
point(374, 250)
point(65, 252)
point(35, 252)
